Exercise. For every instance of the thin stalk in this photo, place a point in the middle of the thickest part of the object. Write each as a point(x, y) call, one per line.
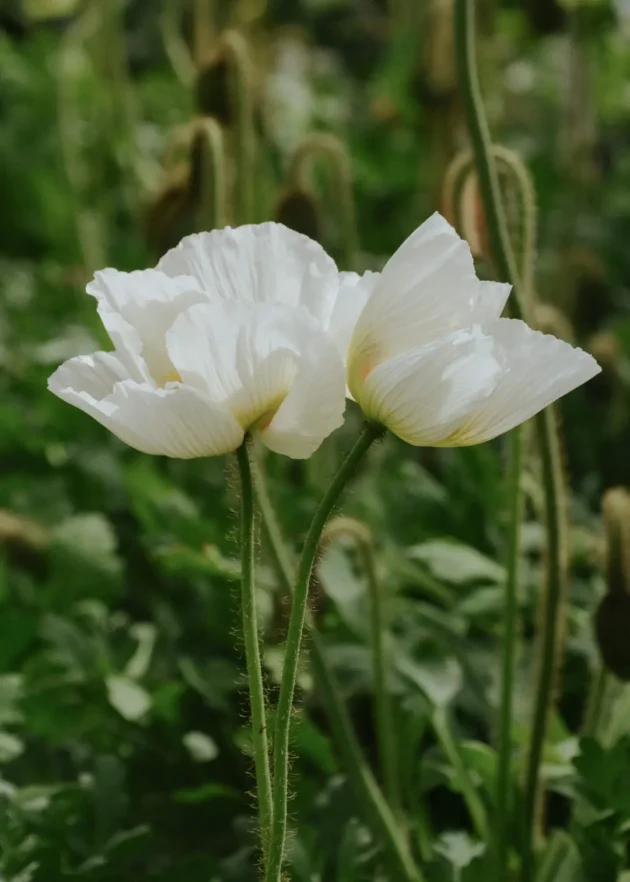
point(384, 711)
point(175, 45)
point(368, 794)
point(595, 702)
point(208, 163)
point(546, 428)
point(450, 747)
point(241, 89)
point(510, 613)
point(252, 649)
point(297, 618)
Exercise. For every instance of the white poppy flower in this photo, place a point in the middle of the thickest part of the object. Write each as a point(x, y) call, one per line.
point(226, 336)
point(428, 355)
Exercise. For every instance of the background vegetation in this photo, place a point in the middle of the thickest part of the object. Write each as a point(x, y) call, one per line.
point(124, 747)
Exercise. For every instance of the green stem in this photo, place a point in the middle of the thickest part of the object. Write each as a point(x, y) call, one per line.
point(208, 176)
point(554, 591)
point(241, 88)
point(546, 428)
point(595, 702)
point(293, 644)
point(450, 747)
point(482, 148)
point(384, 711)
point(252, 648)
point(368, 794)
point(510, 613)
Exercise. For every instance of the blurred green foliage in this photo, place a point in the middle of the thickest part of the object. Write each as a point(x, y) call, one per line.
point(123, 719)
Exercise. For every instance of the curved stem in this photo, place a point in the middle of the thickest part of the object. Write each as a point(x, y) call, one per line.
point(293, 643)
point(332, 149)
point(252, 648)
point(546, 428)
point(368, 794)
point(510, 612)
point(482, 148)
point(208, 173)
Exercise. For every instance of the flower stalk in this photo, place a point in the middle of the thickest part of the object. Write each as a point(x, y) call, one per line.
point(381, 664)
point(369, 796)
point(252, 648)
point(369, 434)
point(545, 422)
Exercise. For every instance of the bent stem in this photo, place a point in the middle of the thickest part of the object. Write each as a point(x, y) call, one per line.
point(368, 794)
point(252, 649)
point(368, 435)
point(510, 611)
point(546, 428)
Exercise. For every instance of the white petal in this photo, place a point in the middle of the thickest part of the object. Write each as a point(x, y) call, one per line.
point(177, 422)
point(137, 309)
point(315, 405)
point(258, 263)
point(427, 290)
point(92, 375)
point(242, 355)
point(537, 370)
point(473, 385)
point(491, 300)
point(353, 294)
point(423, 395)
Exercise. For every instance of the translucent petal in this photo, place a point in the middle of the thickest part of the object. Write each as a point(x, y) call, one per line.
point(423, 395)
point(353, 294)
point(537, 369)
point(473, 385)
point(426, 290)
point(260, 263)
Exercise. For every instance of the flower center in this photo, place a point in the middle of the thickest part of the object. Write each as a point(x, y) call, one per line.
point(172, 377)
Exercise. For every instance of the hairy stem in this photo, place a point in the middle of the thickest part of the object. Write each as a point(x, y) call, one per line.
point(368, 794)
point(252, 648)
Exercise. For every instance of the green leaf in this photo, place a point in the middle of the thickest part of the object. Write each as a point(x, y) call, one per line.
point(10, 747)
point(459, 848)
point(200, 746)
point(130, 700)
point(560, 861)
point(439, 680)
point(456, 563)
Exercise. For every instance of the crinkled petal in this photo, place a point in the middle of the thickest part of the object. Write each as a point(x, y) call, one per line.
point(258, 263)
point(315, 405)
point(242, 355)
point(93, 376)
point(423, 395)
point(178, 422)
point(137, 308)
point(537, 369)
point(427, 290)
